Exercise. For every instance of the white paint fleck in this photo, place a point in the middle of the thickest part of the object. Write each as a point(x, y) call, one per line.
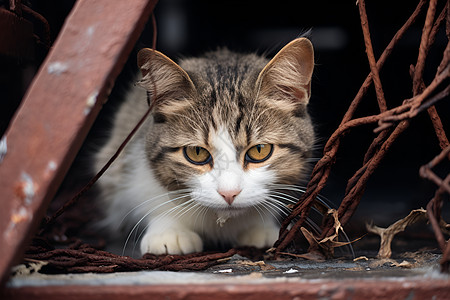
point(90, 31)
point(51, 165)
point(3, 148)
point(28, 188)
point(18, 216)
point(90, 102)
point(57, 68)
point(290, 271)
point(224, 271)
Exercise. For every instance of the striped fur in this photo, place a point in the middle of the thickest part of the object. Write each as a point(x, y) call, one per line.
point(225, 103)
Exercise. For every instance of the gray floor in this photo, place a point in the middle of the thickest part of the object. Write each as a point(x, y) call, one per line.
point(413, 266)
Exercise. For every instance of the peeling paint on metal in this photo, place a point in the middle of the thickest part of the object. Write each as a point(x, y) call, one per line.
point(26, 191)
point(51, 165)
point(18, 216)
point(21, 215)
point(3, 148)
point(57, 68)
point(90, 102)
point(28, 188)
point(90, 31)
point(93, 71)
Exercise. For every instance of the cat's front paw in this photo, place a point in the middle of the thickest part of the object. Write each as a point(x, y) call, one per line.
point(259, 236)
point(171, 241)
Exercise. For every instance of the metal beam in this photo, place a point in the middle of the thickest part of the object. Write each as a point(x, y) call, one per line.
point(58, 111)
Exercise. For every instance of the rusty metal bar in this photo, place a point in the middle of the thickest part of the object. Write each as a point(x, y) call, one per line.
point(57, 112)
point(305, 289)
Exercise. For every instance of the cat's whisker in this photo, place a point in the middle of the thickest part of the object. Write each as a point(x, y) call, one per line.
point(313, 159)
point(259, 210)
point(200, 211)
point(313, 225)
point(320, 199)
point(157, 219)
point(176, 210)
point(157, 198)
point(294, 200)
point(271, 209)
point(160, 205)
point(136, 226)
point(185, 210)
point(275, 206)
point(289, 198)
point(204, 212)
point(291, 187)
point(279, 204)
point(295, 188)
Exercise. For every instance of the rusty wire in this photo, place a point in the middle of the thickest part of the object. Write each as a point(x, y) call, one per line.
point(82, 258)
point(399, 118)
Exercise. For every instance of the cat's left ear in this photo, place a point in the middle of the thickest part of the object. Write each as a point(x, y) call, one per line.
point(288, 75)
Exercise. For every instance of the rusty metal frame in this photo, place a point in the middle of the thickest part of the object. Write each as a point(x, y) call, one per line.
point(305, 289)
point(58, 111)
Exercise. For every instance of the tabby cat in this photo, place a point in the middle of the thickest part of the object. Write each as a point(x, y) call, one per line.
point(228, 138)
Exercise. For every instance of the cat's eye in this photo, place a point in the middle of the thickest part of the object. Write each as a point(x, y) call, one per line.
point(197, 155)
point(259, 153)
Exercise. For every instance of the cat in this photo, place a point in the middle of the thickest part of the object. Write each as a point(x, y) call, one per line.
point(212, 166)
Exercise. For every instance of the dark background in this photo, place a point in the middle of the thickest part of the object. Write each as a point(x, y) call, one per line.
point(192, 27)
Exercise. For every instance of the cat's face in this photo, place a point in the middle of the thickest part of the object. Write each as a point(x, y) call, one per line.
point(230, 128)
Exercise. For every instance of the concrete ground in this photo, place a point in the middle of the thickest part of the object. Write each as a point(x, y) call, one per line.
point(241, 270)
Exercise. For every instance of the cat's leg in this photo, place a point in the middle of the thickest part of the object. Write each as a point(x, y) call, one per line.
point(175, 239)
point(260, 234)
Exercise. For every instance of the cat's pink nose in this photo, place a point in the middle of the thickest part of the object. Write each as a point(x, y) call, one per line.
point(229, 196)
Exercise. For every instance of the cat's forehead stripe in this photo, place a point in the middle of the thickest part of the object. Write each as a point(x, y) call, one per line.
point(223, 145)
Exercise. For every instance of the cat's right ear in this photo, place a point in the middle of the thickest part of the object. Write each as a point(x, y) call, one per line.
point(162, 77)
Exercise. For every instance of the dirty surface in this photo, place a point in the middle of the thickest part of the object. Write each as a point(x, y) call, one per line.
point(238, 269)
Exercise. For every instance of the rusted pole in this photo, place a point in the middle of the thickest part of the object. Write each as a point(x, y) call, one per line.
point(58, 110)
point(371, 57)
